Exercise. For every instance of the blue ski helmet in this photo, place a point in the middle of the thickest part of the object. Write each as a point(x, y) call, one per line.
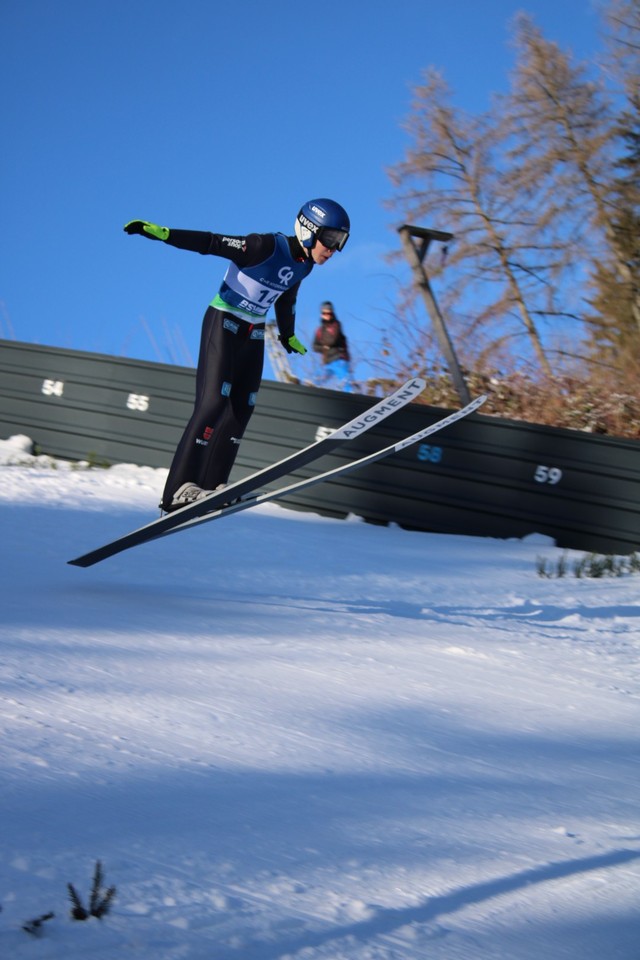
point(323, 220)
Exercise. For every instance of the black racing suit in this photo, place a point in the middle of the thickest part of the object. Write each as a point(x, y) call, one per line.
point(230, 362)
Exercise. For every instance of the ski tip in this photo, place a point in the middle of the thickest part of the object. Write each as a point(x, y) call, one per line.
point(415, 384)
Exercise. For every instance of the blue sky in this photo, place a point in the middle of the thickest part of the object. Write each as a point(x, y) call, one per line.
point(222, 117)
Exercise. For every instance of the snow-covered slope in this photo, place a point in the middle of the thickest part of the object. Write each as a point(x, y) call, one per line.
point(286, 736)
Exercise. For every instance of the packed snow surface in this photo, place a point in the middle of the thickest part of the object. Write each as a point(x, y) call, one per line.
point(285, 736)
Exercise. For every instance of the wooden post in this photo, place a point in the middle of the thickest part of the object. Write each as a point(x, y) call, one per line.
point(415, 253)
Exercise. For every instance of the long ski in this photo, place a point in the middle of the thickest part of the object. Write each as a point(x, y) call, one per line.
point(371, 417)
point(266, 496)
point(340, 471)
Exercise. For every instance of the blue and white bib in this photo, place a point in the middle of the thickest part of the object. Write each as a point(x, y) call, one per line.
point(249, 292)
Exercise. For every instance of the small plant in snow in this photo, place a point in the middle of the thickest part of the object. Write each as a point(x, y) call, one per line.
point(546, 569)
point(99, 902)
point(34, 927)
point(592, 565)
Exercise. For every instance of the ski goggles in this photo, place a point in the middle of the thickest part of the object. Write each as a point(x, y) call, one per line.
point(331, 238)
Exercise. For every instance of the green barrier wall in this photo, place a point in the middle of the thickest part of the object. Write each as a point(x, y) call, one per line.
point(484, 476)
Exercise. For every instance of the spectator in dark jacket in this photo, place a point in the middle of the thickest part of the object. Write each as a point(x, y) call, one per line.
point(331, 343)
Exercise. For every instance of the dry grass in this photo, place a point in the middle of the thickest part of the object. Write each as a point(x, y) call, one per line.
point(601, 407)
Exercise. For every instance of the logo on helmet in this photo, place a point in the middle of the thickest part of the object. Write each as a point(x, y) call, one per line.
point(321, 213)
point(309, 224)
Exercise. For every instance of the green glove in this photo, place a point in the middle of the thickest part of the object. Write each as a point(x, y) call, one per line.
point(147, 229)
point(293, 345)
point(298, 347)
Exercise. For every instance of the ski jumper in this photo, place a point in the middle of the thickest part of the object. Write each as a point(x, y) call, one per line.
point(265, 270)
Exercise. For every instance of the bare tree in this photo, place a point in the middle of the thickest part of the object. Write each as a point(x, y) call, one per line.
point(622, 19)
point(567, 143)
point(508, 247)
point(542, 194)
point(616, 322)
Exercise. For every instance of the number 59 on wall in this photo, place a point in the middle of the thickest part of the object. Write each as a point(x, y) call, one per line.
point(547, 474)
